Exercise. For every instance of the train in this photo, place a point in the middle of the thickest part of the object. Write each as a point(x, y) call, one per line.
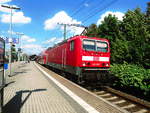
point(85, 58)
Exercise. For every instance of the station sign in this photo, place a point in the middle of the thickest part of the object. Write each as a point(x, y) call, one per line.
point(13, 40)
point(9, 40)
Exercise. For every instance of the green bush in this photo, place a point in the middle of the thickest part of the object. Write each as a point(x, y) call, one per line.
point(129, 75)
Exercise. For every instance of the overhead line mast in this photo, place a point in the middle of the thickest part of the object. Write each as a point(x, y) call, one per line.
point(65, 26)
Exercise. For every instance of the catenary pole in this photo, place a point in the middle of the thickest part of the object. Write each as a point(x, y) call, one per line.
point(19, 37)
point(10, 31)
point(65, 26)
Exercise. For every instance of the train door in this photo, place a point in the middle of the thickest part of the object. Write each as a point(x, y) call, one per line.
point(2, 84)
point(64, 55)
point(45, 58)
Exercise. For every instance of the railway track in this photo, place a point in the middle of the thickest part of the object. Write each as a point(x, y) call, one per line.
point(123, 100)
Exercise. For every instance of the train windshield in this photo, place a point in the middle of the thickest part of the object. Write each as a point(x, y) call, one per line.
point(101, 46)
point(95, 45)
point(89, 45)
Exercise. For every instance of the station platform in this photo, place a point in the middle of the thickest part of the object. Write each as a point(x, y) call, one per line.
point(29, 91)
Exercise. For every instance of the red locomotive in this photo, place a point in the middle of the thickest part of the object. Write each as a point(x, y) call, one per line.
point(81, 56)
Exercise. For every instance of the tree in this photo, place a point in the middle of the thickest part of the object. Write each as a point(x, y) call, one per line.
point(129, 38)
point(136, 33)
point(92, 30)
point(110, 29)
point(148, 10)
point(147, 49)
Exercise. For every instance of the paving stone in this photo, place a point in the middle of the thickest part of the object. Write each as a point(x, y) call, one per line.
point(30, 92)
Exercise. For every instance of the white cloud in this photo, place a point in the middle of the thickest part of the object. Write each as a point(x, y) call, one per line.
point(76, 30)
point(13, 33)
point(51, 40)
point(27, 38)
point(119, 15)
point(59, 40)
point(32, 48)
point(4, 1)
point(62, 17)
point(36, 48)
point(31, 40)
point(18, 17)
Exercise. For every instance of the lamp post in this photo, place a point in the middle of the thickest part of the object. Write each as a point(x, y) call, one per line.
point(19, 51)
point(11, 8)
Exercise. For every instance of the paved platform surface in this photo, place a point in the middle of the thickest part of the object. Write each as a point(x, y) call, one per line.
point(28, 91)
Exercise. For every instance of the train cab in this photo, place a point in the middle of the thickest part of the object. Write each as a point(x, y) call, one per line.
point(95, 53)
point(88, 57)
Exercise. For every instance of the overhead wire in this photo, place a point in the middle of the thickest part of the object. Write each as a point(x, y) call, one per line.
point(92, 10)
point(96, 10)
point(99, 10)
point(80, 7)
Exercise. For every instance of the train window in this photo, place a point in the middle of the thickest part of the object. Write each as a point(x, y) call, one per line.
point(89, 45)
point(101, 46)
point(71, 45)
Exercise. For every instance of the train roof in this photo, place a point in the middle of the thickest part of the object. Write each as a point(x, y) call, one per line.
point(74, 37)
point(82, 37)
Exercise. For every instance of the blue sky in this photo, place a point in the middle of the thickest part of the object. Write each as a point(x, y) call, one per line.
point(37, 20)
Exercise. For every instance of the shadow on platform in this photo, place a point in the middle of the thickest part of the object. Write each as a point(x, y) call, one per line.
point(19, 72)
point(7, 84)
point(22, 65)
point(15, 104)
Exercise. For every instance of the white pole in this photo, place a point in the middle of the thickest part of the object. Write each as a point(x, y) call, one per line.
point(19, 52)
point(10, 39)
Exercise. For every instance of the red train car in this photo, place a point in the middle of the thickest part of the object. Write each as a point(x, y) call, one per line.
point(82, 56)
point(42, 57)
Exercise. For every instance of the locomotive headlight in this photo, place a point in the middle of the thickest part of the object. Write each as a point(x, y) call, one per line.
point(107, 64)
point(84, 64)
